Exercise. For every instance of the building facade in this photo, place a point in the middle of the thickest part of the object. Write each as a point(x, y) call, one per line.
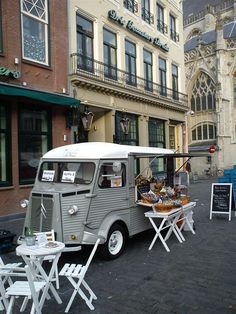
point(210, 46)
point(33, 88)
point(126, 66)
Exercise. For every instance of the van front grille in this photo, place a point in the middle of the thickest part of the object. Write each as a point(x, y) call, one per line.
point(41, 211)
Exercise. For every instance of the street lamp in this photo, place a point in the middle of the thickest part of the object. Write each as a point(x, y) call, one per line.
point(188, 113)
point(87, 119)
point(125, 124)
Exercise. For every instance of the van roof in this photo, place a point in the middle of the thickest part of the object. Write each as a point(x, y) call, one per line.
point(102, 150)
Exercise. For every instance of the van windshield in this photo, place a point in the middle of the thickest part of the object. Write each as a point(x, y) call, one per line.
point(67, 172)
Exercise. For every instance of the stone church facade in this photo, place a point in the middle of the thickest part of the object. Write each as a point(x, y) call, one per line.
point(210, 64)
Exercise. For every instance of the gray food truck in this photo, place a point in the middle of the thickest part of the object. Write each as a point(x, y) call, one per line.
point(87, 190)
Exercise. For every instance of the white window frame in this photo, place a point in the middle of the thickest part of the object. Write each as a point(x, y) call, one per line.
point(41, 20)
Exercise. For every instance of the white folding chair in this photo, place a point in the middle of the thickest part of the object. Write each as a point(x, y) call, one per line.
point(50, 237)
point(5, 279)
point(75, 274)
point(29, 289)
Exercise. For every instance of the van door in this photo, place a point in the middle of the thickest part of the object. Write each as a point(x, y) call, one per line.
point(111, 194)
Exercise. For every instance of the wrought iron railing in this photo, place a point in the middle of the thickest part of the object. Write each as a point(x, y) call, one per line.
point(101, 72)
point(174, 36)
point(147, 16)
point(162, 27)
point(214, 9)
point(131, 5)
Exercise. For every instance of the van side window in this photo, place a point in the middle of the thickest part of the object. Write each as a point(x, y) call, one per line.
point(112, 175)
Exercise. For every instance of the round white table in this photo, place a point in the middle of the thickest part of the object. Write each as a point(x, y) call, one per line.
point(33, 257)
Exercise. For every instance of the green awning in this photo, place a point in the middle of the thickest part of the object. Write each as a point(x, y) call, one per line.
point(51, 98)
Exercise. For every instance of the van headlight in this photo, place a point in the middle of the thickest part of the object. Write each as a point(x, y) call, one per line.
point(73, 210)
point(24, 203)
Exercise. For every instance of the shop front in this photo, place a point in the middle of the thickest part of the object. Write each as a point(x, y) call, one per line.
point(31, 123)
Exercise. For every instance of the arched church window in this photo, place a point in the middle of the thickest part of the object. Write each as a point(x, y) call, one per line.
point(204, 131)
point(203, 93)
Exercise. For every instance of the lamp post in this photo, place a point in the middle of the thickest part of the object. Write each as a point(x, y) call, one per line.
point(190, 112)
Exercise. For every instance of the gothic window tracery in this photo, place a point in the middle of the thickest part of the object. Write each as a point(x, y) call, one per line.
point(203, 94)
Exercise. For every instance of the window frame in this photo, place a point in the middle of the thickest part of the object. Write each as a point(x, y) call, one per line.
point(199, 132)
point(1, 29)
point(131, 79)
point(148, 70)
point(175, 81)
point(22, 134)
point(45, 22)
point(162, 76)
point(111, 69)
point(6, 132)
point(87, 62)
point(161, 26)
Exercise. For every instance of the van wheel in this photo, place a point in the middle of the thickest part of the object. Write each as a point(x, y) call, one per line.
point(115, 244)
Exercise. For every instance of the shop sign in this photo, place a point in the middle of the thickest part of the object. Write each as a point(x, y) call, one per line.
point(8, 72)
point(112, 14)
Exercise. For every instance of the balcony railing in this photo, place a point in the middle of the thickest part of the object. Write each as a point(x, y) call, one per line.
point(147, 16)
point(131, 5)
point(162, 27)
point(174, 36)
point(97, 71)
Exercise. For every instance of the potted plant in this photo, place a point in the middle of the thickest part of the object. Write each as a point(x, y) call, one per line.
point(30, 237)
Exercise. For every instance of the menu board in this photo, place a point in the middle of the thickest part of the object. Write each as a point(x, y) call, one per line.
point(221, 199)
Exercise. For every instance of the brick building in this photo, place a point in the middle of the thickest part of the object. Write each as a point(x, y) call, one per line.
point(33, 92)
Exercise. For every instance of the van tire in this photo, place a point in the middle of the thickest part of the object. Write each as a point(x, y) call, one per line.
point(115, 244)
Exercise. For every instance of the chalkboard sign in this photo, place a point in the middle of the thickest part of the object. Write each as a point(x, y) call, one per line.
point(142, 188)
point(221, 199)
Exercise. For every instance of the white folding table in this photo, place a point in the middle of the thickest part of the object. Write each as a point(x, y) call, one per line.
point(33, 257)
point(170, 220)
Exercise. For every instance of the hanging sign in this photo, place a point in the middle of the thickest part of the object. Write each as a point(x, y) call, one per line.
point(221, 199)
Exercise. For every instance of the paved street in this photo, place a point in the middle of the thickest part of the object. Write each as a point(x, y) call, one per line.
point(198, 276)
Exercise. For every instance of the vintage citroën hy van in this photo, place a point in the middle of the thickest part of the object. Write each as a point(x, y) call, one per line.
point(87, 190)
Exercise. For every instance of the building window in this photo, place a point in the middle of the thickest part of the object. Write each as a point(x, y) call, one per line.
point(132, 137)
point(34, 141)
point(1, 39)
point(173, 34)
point(175, 79)
point(130, 63)
point(131, 5)
point(110, 179)
point(84, 43)
point(156, 131)
point(162, 76)
point(146, 14)
point(34, 26)
point(110, 56)
point(161, 26)
point(203, 94)
point(147, 62)
point(5, 136)
point(204, 132)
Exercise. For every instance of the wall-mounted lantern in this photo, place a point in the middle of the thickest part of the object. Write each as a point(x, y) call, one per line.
point(125, 124)
point(87, 119)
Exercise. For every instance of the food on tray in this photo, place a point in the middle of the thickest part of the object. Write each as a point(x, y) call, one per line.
point(51, 245)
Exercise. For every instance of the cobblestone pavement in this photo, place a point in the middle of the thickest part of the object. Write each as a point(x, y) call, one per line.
point(197, 276)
